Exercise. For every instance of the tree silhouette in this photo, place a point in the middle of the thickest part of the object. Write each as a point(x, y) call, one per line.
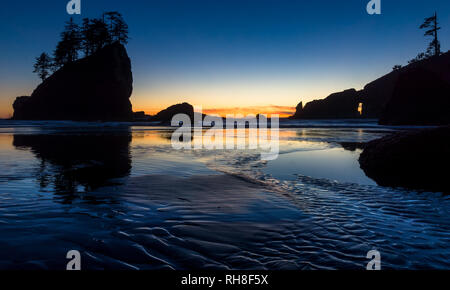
point(431, 24)
point(42, 66)
point(110, 20)
point(100, 34)
point(419, 57)
point(87, 37)
point(117, 27)
point(69, 45)
point(92, 36)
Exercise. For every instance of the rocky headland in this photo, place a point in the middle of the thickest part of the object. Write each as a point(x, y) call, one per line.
point(417, 94)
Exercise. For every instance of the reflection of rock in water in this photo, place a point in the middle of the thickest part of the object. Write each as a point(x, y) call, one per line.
point(352, 146)
point(69, 161)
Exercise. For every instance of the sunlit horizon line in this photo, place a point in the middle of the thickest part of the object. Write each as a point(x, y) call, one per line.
point(282, 111)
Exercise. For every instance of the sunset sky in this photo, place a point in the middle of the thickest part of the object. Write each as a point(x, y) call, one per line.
point(230, 55)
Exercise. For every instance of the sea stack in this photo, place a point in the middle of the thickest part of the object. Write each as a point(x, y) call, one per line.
point(95, 88)
point(342, 105)
point(166, 115)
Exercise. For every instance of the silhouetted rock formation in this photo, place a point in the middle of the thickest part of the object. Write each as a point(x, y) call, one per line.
point(22, 107)
point(167, 114)
point(341, 105)
point(412, 95)
point(96, 88)
point(420, 98)
point(298, 112)
point(414, 160)
point(378, 94)
point(141, 116)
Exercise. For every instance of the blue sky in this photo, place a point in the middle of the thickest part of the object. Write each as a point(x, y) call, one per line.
point(227, 53)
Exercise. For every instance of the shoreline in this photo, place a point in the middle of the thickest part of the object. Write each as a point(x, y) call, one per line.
point(284, 123)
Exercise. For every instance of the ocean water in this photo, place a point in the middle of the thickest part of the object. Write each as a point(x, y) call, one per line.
point(123, 197)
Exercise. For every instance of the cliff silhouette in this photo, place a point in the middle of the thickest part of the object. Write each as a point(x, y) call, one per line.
point(95, 88)
point(417, 94)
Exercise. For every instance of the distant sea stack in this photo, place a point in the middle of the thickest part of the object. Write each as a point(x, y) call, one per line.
point(167, 114)
point(417, 94)
point(95, 88)
point(343, 105)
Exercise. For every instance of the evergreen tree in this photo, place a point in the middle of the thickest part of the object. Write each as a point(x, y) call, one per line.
point(42, 66)
point(432, 25)
point(100, 34)
point(117, 27)
point(73, 36)
point(93, 35)
point(87, 37)
point(419, 57)
point(69, 45)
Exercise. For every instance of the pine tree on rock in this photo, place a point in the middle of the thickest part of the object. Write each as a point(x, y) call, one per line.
point(43, 66)
point(432, 25)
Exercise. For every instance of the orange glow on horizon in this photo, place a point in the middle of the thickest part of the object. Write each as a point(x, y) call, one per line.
point(282, 111)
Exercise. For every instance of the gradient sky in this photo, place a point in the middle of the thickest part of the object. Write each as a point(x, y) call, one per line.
point(230, 55)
